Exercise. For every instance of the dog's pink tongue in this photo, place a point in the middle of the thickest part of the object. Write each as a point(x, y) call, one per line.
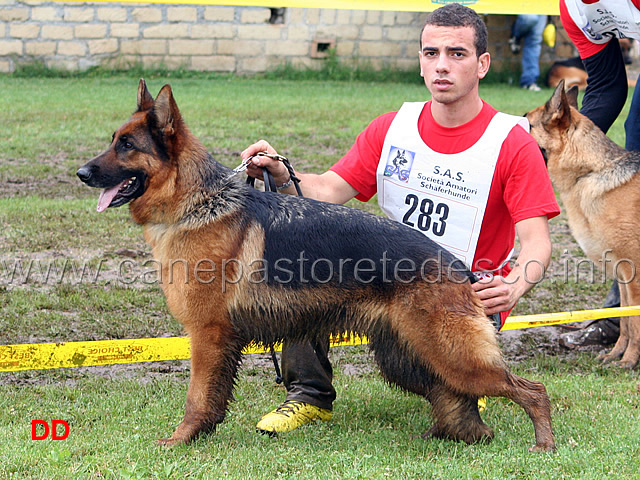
point(106, 197)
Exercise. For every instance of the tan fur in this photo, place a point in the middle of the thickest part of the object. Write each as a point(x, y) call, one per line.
point(572, 76)
point(599, 185)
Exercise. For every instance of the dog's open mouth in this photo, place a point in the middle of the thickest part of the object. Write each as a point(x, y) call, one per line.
point(122, 193)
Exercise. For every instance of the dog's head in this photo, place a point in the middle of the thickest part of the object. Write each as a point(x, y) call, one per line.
point(140, 149)
point(552, 122)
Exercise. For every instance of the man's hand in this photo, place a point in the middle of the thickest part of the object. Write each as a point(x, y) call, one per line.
point(496, 295)
point(328, 187)
point(499, 294)
point(276, 168)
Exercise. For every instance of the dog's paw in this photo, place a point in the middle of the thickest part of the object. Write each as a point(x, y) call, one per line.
point(170, 442)
point(628, 365)
point(546, 447)
point(471, 434)
point(607, 358)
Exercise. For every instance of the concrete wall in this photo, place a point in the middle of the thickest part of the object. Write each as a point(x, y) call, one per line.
point(77, 36)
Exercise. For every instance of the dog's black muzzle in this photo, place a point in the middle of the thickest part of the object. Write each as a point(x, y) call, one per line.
point(95, 174)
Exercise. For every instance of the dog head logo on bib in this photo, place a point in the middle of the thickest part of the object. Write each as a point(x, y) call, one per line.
point(399, 164)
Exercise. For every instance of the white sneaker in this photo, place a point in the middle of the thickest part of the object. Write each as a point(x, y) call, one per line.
point(514, 46)
point(533, 87)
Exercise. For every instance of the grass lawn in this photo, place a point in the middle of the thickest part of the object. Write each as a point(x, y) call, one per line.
point(48, 222)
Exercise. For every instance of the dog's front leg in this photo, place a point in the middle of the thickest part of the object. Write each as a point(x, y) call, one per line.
point(214, 365)
point(632, 326)
point(622, 344)
point(632, 353)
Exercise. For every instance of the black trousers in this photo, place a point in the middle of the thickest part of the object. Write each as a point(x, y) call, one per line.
point(307, 373)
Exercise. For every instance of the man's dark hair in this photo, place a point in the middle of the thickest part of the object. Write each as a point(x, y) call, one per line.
point(457, 15)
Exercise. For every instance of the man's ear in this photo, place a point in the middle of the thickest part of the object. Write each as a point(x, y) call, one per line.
point(484, 62)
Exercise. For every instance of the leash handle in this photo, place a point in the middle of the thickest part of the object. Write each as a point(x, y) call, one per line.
point(292, 175)
point(269, 182)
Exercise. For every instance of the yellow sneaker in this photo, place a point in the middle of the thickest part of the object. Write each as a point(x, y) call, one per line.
point(482, 404)
point(291, 415)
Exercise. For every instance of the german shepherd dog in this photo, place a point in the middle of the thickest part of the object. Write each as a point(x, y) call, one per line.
point(571, 70)
point(239, 265)
point(599, 185)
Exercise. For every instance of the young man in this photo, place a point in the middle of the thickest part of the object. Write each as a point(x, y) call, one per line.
point(594, 26)
point(456, 169)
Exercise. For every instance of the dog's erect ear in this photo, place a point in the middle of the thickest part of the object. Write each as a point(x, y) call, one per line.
point(166, 111)
point(555, 102)
point(145, 100)
point(572, 96)
point(557, 108)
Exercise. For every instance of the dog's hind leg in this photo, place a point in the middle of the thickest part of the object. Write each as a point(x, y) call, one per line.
point(476, 378)
point(461, 349)
point(214, 366)
point(532, 397)
point(621, 344)
point(456, 417)
point(493, 379)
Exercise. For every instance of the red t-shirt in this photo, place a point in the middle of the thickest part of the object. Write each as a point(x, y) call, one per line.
point(520, 188)
point(585, 47)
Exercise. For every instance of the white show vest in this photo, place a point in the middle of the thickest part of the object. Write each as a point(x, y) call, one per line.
point(605, 19)
point(442, 196)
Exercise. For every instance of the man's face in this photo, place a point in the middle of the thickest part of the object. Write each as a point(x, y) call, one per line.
point(449, 64)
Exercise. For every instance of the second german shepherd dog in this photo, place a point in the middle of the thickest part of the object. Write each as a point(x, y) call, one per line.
point(239, 265)
point(599, 184)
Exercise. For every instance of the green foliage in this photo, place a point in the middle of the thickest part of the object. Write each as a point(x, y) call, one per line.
point(333, 68)
point(37, 69)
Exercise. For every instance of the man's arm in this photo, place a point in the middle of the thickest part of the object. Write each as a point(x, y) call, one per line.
point(607, 86)
point(501, 294)
point(328, 186)
point(606, 90)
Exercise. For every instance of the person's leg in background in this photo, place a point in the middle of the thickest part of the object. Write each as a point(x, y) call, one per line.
point(527, 30)
point(599, 332)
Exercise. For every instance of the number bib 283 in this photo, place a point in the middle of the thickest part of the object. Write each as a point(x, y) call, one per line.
point(442, 196)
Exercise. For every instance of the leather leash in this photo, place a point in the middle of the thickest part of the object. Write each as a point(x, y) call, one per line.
point(270, 186)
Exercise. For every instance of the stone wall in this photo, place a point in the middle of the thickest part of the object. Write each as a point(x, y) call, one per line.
point(243, 40)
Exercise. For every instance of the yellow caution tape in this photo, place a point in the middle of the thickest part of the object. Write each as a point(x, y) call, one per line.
point(544, 7)
point(547, 319)
point(110, 352)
